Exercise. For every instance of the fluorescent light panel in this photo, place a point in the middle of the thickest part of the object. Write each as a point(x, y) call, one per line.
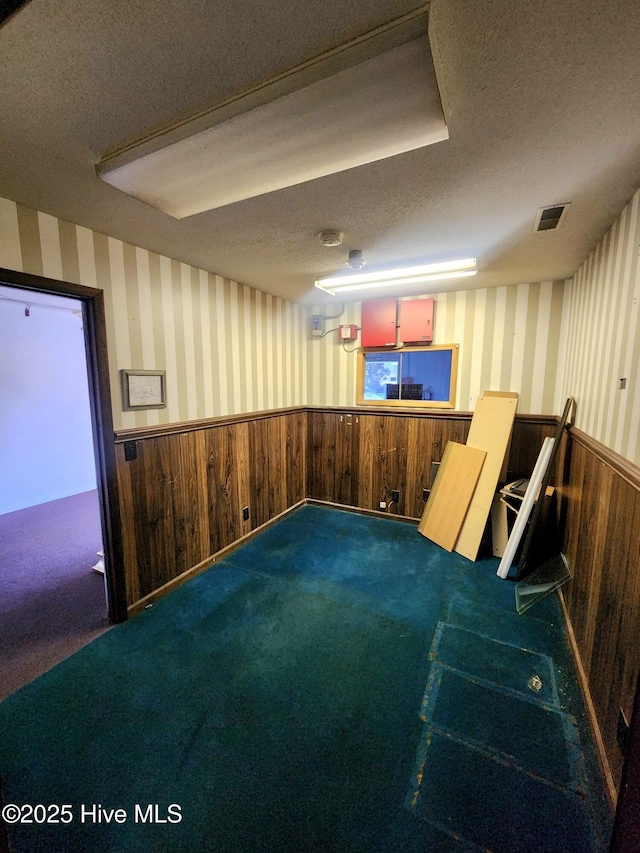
point(398, 277)
point(370, 99)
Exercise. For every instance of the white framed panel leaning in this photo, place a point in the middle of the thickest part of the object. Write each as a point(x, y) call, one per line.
point(525, 510)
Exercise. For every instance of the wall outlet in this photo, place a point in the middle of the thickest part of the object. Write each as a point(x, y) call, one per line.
point(317, 325)
point(395, 496)
point(130, 451)
point(245, 513)
point(382, 505)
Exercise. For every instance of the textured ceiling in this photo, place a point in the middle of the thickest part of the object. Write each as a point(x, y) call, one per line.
point(542, 101)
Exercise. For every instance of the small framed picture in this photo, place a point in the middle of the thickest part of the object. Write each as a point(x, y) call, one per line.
point(143, 389)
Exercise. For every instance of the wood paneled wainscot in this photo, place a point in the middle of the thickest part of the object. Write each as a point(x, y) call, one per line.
point(602, 544)
point(183, 492)
point(182, 496)
point(356, 458)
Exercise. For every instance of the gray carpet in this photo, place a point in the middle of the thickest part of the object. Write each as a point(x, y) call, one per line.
point(51, 602)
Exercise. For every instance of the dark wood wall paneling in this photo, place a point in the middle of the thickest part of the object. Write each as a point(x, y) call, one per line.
point(182, 497)
point(357, 458)
point(277, 465)
point(602, 544)
point(333, 450)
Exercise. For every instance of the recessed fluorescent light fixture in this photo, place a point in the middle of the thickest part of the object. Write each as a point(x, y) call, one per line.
point(397, 277)
point(368, 99)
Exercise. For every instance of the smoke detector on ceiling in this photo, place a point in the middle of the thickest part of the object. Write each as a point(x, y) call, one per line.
point(356, 259)
point(330, 237)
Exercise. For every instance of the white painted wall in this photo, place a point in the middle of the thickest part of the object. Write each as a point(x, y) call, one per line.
point(46, 443)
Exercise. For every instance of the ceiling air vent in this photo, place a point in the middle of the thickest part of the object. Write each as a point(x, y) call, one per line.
point(549, 218)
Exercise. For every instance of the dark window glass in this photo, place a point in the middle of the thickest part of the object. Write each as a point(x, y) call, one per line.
point(423, 375)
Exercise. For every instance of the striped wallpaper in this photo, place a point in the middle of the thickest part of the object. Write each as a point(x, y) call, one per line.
point(603, 336)
point(226, 348)
point(510, 340)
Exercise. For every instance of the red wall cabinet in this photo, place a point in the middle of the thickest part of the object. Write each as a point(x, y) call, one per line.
point(378, 322)
point(387, 322)
point(415, 317)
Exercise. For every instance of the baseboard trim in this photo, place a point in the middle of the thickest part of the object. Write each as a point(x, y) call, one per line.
point(612, 791)
point(207, 563)
point(375, 513)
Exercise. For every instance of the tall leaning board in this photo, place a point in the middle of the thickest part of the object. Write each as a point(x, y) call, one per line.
point(490, 431)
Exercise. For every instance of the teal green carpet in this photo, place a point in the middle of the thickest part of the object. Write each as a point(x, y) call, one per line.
point(339, 683)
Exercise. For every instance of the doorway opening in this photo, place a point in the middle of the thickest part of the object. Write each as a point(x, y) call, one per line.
point(54, 602)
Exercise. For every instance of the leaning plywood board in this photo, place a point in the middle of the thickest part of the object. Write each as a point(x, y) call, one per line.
point(451, 494)
point(503, 471)
point(490, 431)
